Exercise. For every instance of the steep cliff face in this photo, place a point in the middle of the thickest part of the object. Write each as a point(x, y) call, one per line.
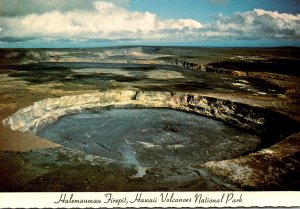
point(132, 55)
point(252, 119)
point(188, 65)
point(207, 68)
point(275, 167)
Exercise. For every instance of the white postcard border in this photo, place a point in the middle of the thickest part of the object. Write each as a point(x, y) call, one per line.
point(149, 199)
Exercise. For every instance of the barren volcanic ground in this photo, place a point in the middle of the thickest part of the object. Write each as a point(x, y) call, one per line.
point(150, 119)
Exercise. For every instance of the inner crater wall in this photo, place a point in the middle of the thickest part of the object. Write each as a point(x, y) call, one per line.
point(264, 123)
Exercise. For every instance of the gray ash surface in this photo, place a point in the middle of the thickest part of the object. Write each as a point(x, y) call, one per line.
point(150, 137)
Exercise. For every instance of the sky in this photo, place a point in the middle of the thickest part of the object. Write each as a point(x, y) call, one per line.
point(96, 23)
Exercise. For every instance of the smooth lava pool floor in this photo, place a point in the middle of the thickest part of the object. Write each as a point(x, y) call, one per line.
point(150, 137)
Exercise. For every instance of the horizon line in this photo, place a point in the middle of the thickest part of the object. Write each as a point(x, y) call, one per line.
point(143, 45)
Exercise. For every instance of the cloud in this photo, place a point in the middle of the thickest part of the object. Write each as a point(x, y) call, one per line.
point(105, 21)
point(84, 20)
point(259, 24)
point(25, 7)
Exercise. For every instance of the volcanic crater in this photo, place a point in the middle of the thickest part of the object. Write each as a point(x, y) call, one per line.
point(127, 122)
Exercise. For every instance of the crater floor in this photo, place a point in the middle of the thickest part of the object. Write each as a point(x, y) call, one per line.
point(150, 137)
